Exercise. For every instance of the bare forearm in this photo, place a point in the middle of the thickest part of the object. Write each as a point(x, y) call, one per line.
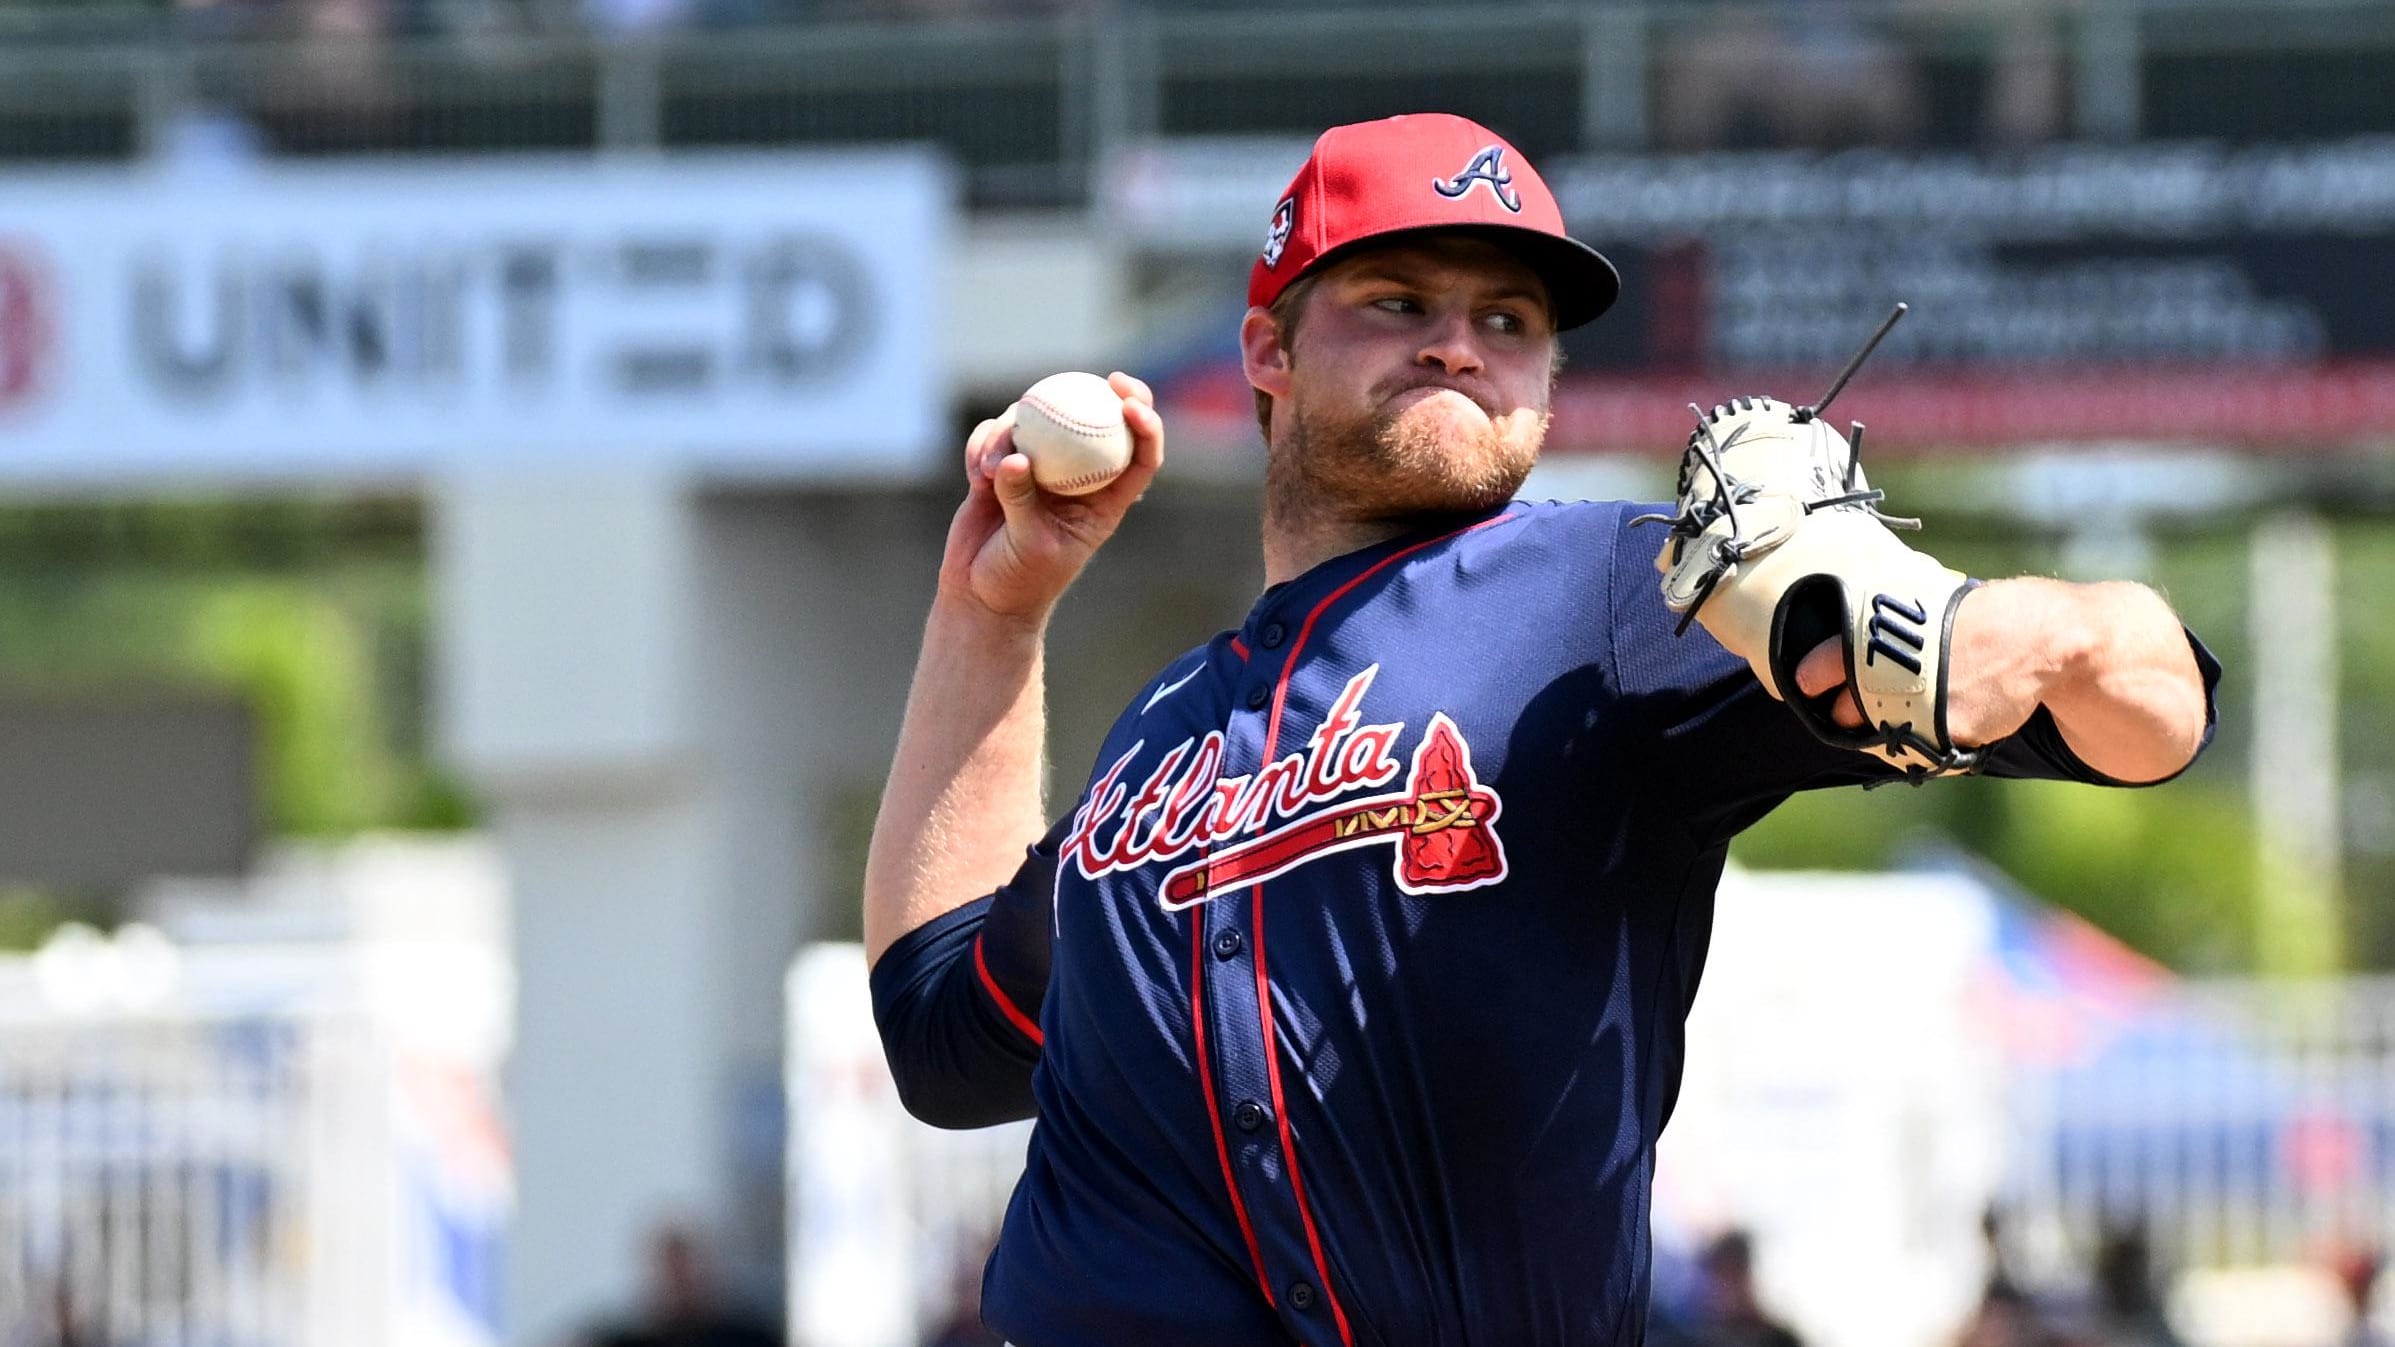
point(2109, 660)
point(2132, 704)
point(963, 798)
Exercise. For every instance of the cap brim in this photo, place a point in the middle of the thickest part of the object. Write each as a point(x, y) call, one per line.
point(1580, 280)
point(1581, 283)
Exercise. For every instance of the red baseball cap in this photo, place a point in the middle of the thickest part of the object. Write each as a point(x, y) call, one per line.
point(1427, 171)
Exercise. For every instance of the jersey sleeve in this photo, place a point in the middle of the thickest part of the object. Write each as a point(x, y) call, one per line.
point(1728, 751)
point(957, 1001)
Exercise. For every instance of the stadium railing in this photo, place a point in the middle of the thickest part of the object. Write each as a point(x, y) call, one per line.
point(1032, 104)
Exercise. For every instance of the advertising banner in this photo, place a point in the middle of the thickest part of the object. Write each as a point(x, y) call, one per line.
point(2154, 292)
point(760, 315)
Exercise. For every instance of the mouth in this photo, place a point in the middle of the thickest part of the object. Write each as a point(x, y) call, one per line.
point(1423, 392)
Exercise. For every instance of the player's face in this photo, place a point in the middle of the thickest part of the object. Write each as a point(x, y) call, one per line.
point(1419, 379)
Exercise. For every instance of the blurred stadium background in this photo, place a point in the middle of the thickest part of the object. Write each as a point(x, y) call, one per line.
point(471, 472)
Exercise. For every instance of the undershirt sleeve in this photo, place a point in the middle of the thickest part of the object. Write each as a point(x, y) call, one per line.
point(957, 1001)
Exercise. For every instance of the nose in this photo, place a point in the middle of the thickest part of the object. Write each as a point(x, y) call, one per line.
point(1452, 345)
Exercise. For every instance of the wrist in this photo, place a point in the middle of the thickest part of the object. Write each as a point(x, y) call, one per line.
point(967, 617)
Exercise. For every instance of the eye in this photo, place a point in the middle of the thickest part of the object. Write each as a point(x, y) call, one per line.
point(1396, 304)
point(1515, 320)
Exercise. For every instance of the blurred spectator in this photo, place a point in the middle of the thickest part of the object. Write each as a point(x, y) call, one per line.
point(2005, 1320)
point(197, 139)
point(1816, 74)
point(683, 1307)
point(633, 18)
point(2128, 1309)
point(2021, 43)
point(963, 1326)
point(69, 1327)
point(1727, 1312)
point(1789, 74)
point(2357, 1276)
point(339, 70)
point(2001, 1284)
point(2005, 1316)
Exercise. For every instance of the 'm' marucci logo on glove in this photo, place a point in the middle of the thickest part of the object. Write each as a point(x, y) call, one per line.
point(1442, 820)
point(1895, 622)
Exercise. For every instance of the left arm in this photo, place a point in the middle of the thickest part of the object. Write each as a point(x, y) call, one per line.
point(2108, 660)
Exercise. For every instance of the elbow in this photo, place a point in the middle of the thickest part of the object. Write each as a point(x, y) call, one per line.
point(2190, 722)
point(955, 1061)
point(2163, 739)
point(939, 1104)
point(955, 1083)
point(2139, 695)
point(954, 1103)
point(2141, 742)
point(2182, 700)
point(925, 1102)
point(2162, 761)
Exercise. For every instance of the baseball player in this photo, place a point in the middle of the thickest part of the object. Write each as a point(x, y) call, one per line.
point(1349, 991)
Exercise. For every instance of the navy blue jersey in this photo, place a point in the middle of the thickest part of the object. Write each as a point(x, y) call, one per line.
point(1374, 934)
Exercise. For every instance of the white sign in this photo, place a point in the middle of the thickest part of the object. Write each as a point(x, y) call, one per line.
point(754, 315)
point(1200, 192)
point(1840, 1101)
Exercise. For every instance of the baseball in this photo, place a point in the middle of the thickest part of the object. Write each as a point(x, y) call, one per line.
point(1071, 428)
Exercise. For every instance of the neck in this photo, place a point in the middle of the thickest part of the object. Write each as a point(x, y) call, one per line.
point(1309, 518)
point(1304, 526)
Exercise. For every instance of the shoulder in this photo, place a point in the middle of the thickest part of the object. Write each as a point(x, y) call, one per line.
point(1185, 669)
point(1594, 540)
point(1601, 526)
point(1185, 674)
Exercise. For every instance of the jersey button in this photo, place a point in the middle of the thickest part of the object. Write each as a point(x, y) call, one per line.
point(1301, 1296)
point(1258, 695)
point(1248, 1116)
point(1227, 945)
point(1273, 635)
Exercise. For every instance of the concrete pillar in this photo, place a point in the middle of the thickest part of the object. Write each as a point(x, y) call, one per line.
point(566, 661)
point(678, 708)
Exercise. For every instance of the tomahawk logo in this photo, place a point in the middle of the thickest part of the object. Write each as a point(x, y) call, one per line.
point(1441, 821)
point(25, 329)
point(1487, 169)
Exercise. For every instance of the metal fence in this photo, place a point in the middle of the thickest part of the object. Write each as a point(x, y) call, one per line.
point(179, 1181)
point(2231, 1124)
point(253, 1158)
point(2235, 1124)
point(1032, 105)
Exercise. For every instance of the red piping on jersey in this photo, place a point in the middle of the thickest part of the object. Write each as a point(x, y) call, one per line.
point(1006, 1004)
point(1222, 1151)
point(1280, 1115)
point(1239, 647)
point(1272, 1057)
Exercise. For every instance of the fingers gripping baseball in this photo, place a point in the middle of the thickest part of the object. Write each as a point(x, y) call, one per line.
point(1015, 548)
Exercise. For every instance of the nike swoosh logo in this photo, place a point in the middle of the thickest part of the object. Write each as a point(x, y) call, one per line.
point(1170, 688)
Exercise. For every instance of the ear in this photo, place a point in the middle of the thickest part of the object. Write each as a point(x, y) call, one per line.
point(1262, 354)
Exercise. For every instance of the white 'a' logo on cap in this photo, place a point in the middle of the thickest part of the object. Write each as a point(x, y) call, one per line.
point(1487, 169)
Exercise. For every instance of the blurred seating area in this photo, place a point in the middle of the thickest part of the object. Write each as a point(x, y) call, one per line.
point(1030, 96)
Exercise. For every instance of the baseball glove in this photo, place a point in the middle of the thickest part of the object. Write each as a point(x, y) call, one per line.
point(1778, 545)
